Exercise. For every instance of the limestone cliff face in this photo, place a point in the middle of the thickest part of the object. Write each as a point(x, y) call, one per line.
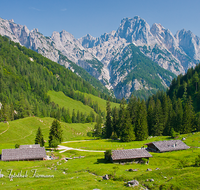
point(108, 58)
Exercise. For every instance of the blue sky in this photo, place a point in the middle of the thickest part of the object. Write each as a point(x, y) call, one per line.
point(95, 17)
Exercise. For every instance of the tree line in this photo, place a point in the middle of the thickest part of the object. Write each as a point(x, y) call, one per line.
point(159, 115)
point(173, 112)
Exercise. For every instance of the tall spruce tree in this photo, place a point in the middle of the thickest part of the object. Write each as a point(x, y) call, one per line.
point(188, 117)
point(115, 119)
point(171, 115)
point(108, 125)
point(150, 115)
point(39, 137)
point(132, 108)
point(157, 129)
point(97, 127)
point(196, 80)
point(55, 133)
point(178, 122)
point(127, 133)
point(122, 117)
point(141, 127)
point(165, 109)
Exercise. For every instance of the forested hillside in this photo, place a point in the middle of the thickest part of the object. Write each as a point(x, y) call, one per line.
point(25, 79)
point(166, 113)
point(187, 85)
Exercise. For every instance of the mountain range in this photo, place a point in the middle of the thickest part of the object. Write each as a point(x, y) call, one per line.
point(135, 59)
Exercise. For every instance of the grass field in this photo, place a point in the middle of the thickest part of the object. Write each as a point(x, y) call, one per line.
point(69, 103)
point(101, 102)
point(23, 131)
point(87, 172)
point(192, 140)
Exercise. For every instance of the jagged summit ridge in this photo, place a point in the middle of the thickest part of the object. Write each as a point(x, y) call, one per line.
point(175, 53)
point(135, 30)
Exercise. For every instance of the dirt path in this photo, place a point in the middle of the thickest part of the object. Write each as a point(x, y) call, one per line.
point(65, 148)
point(6, 129)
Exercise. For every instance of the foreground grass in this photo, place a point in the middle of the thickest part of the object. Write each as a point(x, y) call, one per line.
point(87, 172)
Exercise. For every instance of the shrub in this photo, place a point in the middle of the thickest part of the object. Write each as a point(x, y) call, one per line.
point(89, 134)
point(173, 133)
point(108, 155)
point(17, 146)
point(197, 161)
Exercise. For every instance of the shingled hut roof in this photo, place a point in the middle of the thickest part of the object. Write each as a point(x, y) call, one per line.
point(166, 146)
point(129, 154)
point(23, 154)
point(30, 146)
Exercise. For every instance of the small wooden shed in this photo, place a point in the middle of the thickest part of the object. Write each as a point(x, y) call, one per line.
point(24, 152)
point(166, 146)
point(128, 155)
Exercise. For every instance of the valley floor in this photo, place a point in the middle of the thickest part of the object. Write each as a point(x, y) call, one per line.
point(170, 170)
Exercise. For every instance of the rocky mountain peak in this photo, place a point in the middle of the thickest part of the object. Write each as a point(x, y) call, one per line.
point(164, 36)
point(88, 41)
point(189, 43)
point(157, 28)
point(135, 30)
point(96, 55)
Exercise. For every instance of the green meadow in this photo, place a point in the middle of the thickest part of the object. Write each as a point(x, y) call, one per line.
point(171, 170)
point(68, 103)
point(64, 101)
point(101, 102)
point(23, 131)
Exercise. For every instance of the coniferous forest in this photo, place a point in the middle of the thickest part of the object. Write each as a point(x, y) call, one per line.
point(165, 113)
point(25, 79)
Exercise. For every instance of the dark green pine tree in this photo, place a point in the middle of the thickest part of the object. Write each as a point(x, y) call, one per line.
point(122, 119)
point(141, 126)
point(39, 137)
point(58, 114)
point(73, 117)
point(108, 124)
point(132, 108)
point(178, 120)
point(78, 117)
point(115, 119)
point(197, 122)
point(127, 134)
point(150, 115)
point(184, 93)
point(157, 129)
point(55, 134)
point(165, 109)
point(171, 116)
point(188, 117)
point(196, 79)
point(97, 127)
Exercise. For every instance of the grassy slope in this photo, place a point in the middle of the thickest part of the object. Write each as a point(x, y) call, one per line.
point(23, 131)
point(85, 173)
point(101, 102)
point(64, 101)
